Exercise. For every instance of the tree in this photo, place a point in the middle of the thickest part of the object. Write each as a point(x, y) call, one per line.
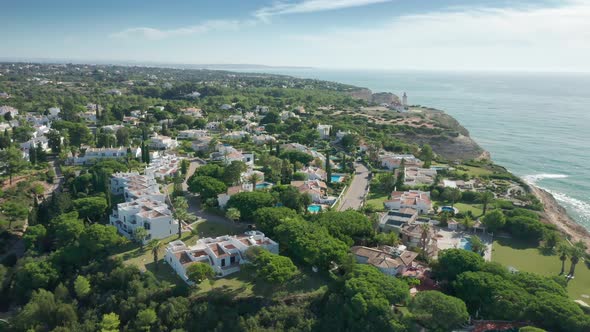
point(452, 262)
point(452, 194)
point(197, 272)
point(350, 142)
point(206, 186)
point(155, 247)
point(530, 329)
point(270, 267)
point(268, 218)
point(437, 311)
point(328, 167)
point(232, 214)
point(145, 319)
point(110, 323)
point(139, 235)
point(82, 287)
point(348, 226)
point(550, 239)
point(486, 198)
point(11, 162)
point(91, 208)
point(175, 312)
point(233, 172)
point(426, 155)
point(248, 202)
point(122, 136)
point(54, 140)
point(184, 165)
point(14, 211)
point(576, 252)
point(254, 178)
point(477, 245)
point(563, 251)
point(181, 213)
point(67, 228)
point(494, 220)
point(34, 236)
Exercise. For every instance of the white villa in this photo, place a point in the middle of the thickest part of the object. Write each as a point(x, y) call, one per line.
point(192, 133)
point(314, 173)
point(223, 198)
point(414, 176)
point(8, 109)
point(163, 166)
point(393, 161)
point(316, 189)
point(201, 143)
point(263, 139)
point(324, 131)
point(145, 207)
point(388, 260)
point(161, 142)
point(92, 154)
point(228, 153)
point(192, 111)
point(235, 135)
point(225, 253)
point(414, 199)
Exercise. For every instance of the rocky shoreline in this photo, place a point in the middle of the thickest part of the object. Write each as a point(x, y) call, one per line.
point(556, 214)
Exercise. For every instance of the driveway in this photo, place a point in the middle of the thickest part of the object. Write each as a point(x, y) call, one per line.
point(354, 197)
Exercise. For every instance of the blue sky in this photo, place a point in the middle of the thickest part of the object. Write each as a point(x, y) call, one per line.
point(549, 35)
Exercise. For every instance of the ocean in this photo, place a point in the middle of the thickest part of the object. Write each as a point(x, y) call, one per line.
point(537, 125)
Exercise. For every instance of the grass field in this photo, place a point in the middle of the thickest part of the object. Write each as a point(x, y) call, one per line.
point(509, 252)
point(376, 200)
point(243, 284)
point(475, 171)
point(476, 209)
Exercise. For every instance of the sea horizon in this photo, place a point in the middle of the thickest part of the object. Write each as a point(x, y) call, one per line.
point(532, 123)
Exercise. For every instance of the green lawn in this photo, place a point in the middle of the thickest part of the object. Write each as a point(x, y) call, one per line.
point(376, 200)
point(475, 171)
point(510, 252)
point(476, 209)
point(243, 284)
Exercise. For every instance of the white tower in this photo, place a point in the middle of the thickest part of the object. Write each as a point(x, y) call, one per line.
point(405, 100)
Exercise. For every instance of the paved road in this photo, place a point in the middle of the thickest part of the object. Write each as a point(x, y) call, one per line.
point(353, 199)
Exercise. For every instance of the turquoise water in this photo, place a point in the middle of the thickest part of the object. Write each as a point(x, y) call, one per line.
point(535, 124)
point(465, 244)
point(336, 178)
point(314, 208)
point(263, 185)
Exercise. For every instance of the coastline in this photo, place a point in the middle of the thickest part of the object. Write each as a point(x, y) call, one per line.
point(554, 213)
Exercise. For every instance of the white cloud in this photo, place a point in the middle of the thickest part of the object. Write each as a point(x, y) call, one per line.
point(263, 14)
point(310, 6)
point(554, 38)
point(154, 34)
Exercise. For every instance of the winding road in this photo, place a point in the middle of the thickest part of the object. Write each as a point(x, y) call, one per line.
point(354, 197)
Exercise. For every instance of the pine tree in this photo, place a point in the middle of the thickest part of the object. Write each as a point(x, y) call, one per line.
point(328, 168)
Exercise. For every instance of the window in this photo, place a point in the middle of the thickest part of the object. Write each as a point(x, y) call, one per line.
point(223, 262)
point(232, 260)
point(147, 225)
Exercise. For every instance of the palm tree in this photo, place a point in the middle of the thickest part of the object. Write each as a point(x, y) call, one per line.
point(233, 214)
point(563, 250)
point(486, 198)
point(180, 211)
point(254, 178)
point(139, 235)
point(577, 252)
point(155, 246)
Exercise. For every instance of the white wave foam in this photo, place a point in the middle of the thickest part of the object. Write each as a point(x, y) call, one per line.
point(582, 208)
point(534, 178)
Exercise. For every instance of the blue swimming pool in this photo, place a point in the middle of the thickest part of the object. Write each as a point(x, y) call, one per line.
point(465, 244)
point(314, 208)
point(447, 209)
point(263, 185)
point(336, 178)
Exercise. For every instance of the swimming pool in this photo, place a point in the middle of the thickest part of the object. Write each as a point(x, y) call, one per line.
point(314, 208)
point(465, 244)
point(263, 185)
point(447, 209)
point(336, 178)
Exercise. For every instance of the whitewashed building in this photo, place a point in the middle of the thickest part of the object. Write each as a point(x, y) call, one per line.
point(224, 254)
point(192, 133)
point(324, 131)
point(92, 154)
point(161, 142)
point(414, 199)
